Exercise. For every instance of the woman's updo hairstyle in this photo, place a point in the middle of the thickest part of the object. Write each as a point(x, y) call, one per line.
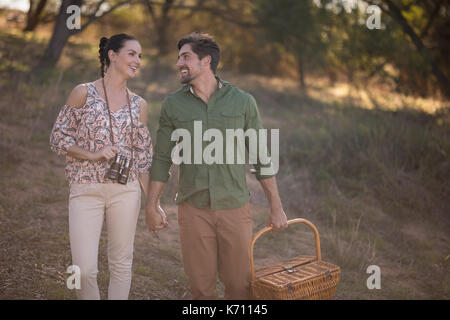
point(115, 43)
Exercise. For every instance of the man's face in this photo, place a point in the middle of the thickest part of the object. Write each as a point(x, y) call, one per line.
point(189, 65)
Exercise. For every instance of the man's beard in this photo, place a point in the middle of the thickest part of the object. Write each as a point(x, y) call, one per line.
point(186, 79)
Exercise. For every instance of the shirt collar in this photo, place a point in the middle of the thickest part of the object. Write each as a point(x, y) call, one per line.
point(188, 87)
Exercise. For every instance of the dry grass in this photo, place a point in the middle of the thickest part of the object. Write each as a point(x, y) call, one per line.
point(374, 181)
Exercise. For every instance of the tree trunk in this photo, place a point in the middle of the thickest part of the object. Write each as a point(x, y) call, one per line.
point(162, 41)
point(301, 71)
point(60, 35)
point(161, 23)
point(163, 28)
point(33, 17)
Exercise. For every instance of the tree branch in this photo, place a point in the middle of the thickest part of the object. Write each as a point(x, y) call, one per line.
point(201, 7)
point(94, 17)
point(398, 16)
point(431, 19)
point(150, 9)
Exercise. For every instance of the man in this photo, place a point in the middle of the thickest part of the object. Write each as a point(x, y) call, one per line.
point(214, 213)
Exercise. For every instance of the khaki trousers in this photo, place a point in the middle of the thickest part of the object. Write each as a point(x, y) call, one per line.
point(88, 204)
point(214, 241)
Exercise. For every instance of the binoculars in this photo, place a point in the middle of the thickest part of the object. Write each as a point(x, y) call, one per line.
point(120, 169)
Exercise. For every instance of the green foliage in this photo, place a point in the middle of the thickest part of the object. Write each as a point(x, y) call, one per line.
point(291, 38)
point(297, 25)
point(331, 38)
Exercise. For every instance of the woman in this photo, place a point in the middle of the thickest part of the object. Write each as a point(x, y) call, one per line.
point(100, 120)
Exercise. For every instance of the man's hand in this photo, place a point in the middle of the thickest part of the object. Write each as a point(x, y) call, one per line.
point(155, 218)
point(277, 219)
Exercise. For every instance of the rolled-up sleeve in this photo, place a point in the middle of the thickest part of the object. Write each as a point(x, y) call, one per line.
point(143, 149)
point(162, 157)
point(63, 134)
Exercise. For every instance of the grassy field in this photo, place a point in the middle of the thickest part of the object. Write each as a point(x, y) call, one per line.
point(370, 168)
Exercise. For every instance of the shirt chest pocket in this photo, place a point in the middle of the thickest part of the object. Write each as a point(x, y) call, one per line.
point(232, 119)
point(185, 121)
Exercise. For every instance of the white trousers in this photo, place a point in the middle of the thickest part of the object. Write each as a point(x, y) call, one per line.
point(88, 204)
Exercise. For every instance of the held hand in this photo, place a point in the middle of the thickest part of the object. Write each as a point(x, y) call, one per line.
point(277, 219)
point(155, 218)
point(105, 154)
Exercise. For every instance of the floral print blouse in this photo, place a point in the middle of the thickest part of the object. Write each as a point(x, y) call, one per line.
point(88, 127)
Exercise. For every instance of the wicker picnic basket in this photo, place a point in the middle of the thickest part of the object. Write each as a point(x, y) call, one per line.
point(301, 278)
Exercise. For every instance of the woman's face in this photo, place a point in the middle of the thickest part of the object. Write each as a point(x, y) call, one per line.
point(128, 60)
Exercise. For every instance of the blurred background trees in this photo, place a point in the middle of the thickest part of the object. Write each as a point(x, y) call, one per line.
point(291, 38)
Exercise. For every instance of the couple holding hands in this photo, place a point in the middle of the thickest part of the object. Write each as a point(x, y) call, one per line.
point(103, 120)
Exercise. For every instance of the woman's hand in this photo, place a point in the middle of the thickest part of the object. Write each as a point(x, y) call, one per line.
point(105, 154)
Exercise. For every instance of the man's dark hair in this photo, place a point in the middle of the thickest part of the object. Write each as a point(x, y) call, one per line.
point(203, 45)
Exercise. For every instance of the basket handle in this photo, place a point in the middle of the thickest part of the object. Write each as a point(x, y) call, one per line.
point(293, 221)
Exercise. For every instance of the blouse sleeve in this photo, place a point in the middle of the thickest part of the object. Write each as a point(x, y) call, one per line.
point(144, 149)
point(64, 130)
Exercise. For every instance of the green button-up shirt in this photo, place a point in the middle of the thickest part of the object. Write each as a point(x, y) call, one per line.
point(219, 186)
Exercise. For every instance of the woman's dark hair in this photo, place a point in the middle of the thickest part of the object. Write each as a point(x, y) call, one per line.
point(203, 45)
point(115, 43)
